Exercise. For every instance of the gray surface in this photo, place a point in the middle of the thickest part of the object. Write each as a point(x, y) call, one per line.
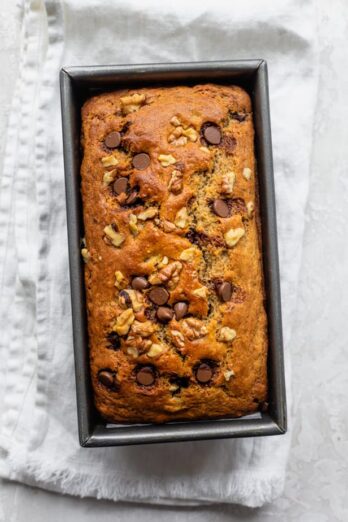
point(317, 481)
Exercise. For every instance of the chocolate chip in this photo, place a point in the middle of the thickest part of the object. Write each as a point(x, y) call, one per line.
point(238, 116)
point(220, 208)
point(212, 134)
point(120, 185)
point(124, 297)
point(224, 291)
point(180, 310)
point(139, 283)
point(145, 376)
point(133, 196)
point(113, 140)
point(113, 340)
point(164, 314)
point(229, 143)
point(141, 161)
point(158, 295)
point(107, 377)
point(204, 373)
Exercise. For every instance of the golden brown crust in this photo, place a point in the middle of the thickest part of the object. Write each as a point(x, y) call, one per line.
point(171, 236)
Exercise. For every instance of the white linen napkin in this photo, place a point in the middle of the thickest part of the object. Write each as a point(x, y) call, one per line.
point(38, 428)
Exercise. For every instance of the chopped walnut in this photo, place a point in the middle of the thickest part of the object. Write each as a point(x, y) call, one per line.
point(123, 322)
point(191, 134)
point(228, 374)
point(132, 103)
point(132, 220)
point(109, 176)
point(134, 296)
point(166, 160)
point(226, 334)
point(115, 237)
point(181, 218)
point(120, 280)
point(148, 213)
point(191, 254)
point(166, 226)
point(138, 343)
point(170, 274)
point(154, 261)
point(247, 173)
point(178, 338)
point(85, 255)
point(201, 292)
point(250, 208)
point(175, 183)
point(109, 161)
point(194, 328)
point(233, 235)
point(144, 329)
point(156, 350)
point(227, 182)
point(175, 121)
point(132, 351)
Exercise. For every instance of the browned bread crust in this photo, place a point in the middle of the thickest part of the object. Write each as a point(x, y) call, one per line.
point(206, 356)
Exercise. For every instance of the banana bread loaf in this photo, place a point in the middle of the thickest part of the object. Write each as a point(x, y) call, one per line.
point(172, 251)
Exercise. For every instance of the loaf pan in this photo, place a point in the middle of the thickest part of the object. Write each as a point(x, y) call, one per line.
point(77, 84)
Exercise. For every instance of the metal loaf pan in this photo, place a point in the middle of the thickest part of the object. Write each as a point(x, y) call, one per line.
point(78, 83)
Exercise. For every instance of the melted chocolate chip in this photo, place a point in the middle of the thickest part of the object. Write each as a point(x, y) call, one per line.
point(202, 239)
point(125, 298)
point(141, 161)
point(212, 134)
point(204, 373)
point(113, 340)
point(145, 376)
point(224, 291)
point(107, 377)
point(120, 185)
point(180, 310)
point(139, 283)
point(238, 116)
point(133, 197)
point(182, 382)
point(113, 140)
point(158, 295)
point(164, 314)
point(220, 208)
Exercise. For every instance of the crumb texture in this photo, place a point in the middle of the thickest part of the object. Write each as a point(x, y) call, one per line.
point(173, 272)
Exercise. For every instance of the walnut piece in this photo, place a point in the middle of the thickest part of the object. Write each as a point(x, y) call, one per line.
point(148, 213)
point(109, 161)
point(226, 334)
point(120, 280)
point(191, 254)
point(181, 218)
point(228, 374)
point(137, 343)
point(178, 338)
point(85, 255)
point(124, 322)
point(166, 226)
point(132, 351)
point(170, 274)
point(156, 351)
point(132, 220)
point(115, 237)
point(166, 160)
point(175, 121)
point(201, 292)
point(144, 329)
point(136, 299)
point(233, 235)
point(227, 182)
point(109, 176)
point(132, 103)
point(250, 208)
point(194, 328)
point(247, 173)
point(175, 183)
point(182, 133)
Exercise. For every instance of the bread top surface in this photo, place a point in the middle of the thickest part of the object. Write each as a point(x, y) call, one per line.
point(169, 195)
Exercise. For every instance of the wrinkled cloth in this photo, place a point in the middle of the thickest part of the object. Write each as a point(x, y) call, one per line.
point(38, 426)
